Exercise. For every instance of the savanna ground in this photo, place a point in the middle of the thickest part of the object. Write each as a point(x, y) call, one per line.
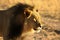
point(50, 13)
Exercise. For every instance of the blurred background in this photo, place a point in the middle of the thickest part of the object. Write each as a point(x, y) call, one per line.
point(49, 11)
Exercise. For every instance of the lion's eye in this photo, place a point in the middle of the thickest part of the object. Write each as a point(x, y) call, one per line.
point(34, 19)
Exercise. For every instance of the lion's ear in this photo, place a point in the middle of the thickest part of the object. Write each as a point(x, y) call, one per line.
point(27, 12)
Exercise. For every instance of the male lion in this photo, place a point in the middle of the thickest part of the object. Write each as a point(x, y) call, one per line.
point(17, 21)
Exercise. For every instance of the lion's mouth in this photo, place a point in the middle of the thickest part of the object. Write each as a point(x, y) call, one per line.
point(38, 29)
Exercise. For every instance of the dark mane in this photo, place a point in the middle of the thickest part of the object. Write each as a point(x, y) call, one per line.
point(20, 8)
point(13, 20)
point(17, 27)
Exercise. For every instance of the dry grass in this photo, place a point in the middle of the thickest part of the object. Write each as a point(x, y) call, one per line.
point(50, 13)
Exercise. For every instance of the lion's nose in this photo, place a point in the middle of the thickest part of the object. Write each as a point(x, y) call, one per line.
point(38, 27)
